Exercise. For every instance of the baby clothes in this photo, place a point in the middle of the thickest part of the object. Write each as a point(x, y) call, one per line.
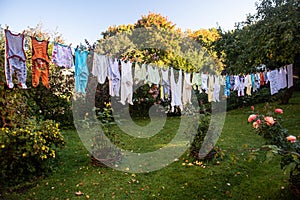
point(40, 62)
point(236, 82)
point(248, 84)
point(62, 55)
point(254, 86)
point(81, 70)
point(257, 80)
point(196, 81)
point(241, 86)
point(217, 88)
point(114, 78)
point(165, 84)
point(187, 89)
point(204, 79)
point(282, 78)
point(100, 67)
point(140, 73)
point(227, 86)
point(15, 59)
point(126, 82)
point(290, 75)
point(210, 94)
point(153, 75)
point(176, 90)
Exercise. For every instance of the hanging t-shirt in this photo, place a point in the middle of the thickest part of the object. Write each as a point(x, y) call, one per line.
point(210, 92)
point(248, 84)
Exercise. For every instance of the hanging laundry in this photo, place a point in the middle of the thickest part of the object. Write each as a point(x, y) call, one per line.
point(15, 60)
point(140, 73)
point(290, 75)
point(210, 91)
point(273, 78)
point(81, 70)
point(282, 78)
point(254, 85)
point(100, 67)
point(153, 75)
point(126, 82)
point(217, 88)
point(227, 86)
point(40, 62)
point(232, 82)
point(176, 90)
point(236, 82)
point(187, 89)
point(165, 84)
point(262, 78)
point(196, 81)
point(257, 80)
point(241, 86)
point(248, 84)
point(62, 55)
point(266, 77)
point(114, 77)
point(204, 82)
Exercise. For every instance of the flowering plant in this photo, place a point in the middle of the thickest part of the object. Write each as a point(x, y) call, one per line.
point(278, 140)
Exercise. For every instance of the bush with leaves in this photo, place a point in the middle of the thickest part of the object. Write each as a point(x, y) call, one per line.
point(26, 152)
point(278, 141)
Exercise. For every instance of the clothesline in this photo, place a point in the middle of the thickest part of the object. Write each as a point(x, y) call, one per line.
point(122, 79)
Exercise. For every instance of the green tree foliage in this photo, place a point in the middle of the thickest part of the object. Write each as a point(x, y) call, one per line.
point(155, 39)
point(270, 37)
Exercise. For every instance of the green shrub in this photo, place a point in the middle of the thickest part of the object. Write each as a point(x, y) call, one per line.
point(26, 152)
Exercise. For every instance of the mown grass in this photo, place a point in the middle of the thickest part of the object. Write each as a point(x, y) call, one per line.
point(242, 174)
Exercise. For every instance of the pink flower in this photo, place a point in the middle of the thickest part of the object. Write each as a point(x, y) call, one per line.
point(252, 108)
point(252, 117)
point(258, 121)
point(255, 125)
point(279, 111)
point(291, 138)
point(269, 120)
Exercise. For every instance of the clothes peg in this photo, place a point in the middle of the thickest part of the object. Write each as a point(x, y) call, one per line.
point(23, 32)
point(70, 44)
point(6, 27)
point(48, 38)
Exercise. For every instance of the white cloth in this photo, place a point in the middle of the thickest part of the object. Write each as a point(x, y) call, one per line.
point(165, 84)
point(248, 84)
point(210, 92)
point(114, 78)
point(217, 88)
point(290, 75)
point(241, 87)
point(196, 81)
point(236, 82)
point(273, 78)
point(126, 82)
point(176, 90)
point(282, 78)
point(153, 75)
point(187, 89)
point(100, 67)
point(204, 82)
point(140, 73)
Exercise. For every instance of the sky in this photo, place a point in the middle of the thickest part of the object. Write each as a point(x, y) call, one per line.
point(77, 20)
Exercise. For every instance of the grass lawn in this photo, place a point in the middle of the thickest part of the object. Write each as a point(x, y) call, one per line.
point(241, 174)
